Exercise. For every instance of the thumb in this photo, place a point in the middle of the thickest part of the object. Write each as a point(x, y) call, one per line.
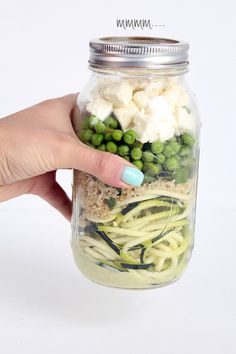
point(109, 168)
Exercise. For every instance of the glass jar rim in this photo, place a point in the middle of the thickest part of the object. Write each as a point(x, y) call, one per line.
point(138, 52)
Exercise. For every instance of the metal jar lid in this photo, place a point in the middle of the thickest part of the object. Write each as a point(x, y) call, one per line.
point(138, 52)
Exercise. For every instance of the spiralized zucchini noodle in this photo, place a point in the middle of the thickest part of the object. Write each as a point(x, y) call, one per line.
point(147, 237)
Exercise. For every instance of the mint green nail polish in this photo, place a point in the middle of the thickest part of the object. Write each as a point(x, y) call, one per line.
point(132, 176)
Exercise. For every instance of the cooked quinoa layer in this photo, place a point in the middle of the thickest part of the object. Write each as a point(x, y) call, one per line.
point(93, 194)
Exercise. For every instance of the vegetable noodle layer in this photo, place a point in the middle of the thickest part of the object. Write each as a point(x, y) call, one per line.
point(146, 238)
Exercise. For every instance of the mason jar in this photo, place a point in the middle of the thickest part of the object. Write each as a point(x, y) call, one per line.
point(137, 104)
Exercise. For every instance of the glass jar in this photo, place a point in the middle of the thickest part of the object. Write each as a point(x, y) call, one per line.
point(137, 105)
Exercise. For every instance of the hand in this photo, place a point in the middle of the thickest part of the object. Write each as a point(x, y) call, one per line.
point(37, 141)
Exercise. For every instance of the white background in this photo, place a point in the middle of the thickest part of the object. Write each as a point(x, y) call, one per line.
point(46, 305)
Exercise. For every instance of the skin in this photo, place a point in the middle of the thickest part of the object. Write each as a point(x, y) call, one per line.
point(37, 141)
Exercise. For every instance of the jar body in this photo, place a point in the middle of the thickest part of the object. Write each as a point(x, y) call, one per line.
point(140, 237)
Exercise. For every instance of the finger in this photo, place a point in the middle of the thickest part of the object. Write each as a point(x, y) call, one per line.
point(109, 168)
point(68, 101)
point(57, 197)
point(15, 189)
point(64, 103)
point(46, 187)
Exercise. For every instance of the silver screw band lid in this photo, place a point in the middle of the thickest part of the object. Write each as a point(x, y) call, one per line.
point(138, 52)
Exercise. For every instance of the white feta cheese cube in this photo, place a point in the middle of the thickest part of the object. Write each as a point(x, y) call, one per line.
point(159, 122)
point(139, 125)
point(126, 115)
point(165, 130)
point(156, 88)
point(157, 130)
point(119, 93)
point(138, 84)
point(97, 88)
point(147, 134)
point(159, 108)
point(99, 107)
point(184, 120)
point(141, 99)
point(172, 96)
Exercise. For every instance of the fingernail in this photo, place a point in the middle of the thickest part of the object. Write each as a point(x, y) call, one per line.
point(133, 176)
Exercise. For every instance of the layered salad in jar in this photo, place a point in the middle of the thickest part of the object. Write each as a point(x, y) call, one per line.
point(139, 237)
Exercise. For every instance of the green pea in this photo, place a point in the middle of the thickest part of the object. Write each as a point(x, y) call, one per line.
point(86, 122)
point(136, 153)
point(184, 151)
point(138, 164)
point(137, 144)
point(187, 139)
point(129, 137)
point(175, 146)
point(126, 158)
point(102, 147)
point(92, 120)
point(97, 139)
point(85, 134)
point(123, 150)
point(151, 168)
point(100, 127)
point(168, 151)
point(111, 122)
point(157, 147)
point(147, 156)
point(111, 147)
point(173, 139)
point(117, 135)
point(160, 158)
point(108, 136)
point(171, 163)
point(181, 175)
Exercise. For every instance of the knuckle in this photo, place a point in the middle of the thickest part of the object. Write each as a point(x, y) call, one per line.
point(6, 170)
point(51, 104)
point(103, 162)
point(63, 149)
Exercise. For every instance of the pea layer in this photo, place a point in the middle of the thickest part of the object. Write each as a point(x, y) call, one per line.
point(172, 159)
